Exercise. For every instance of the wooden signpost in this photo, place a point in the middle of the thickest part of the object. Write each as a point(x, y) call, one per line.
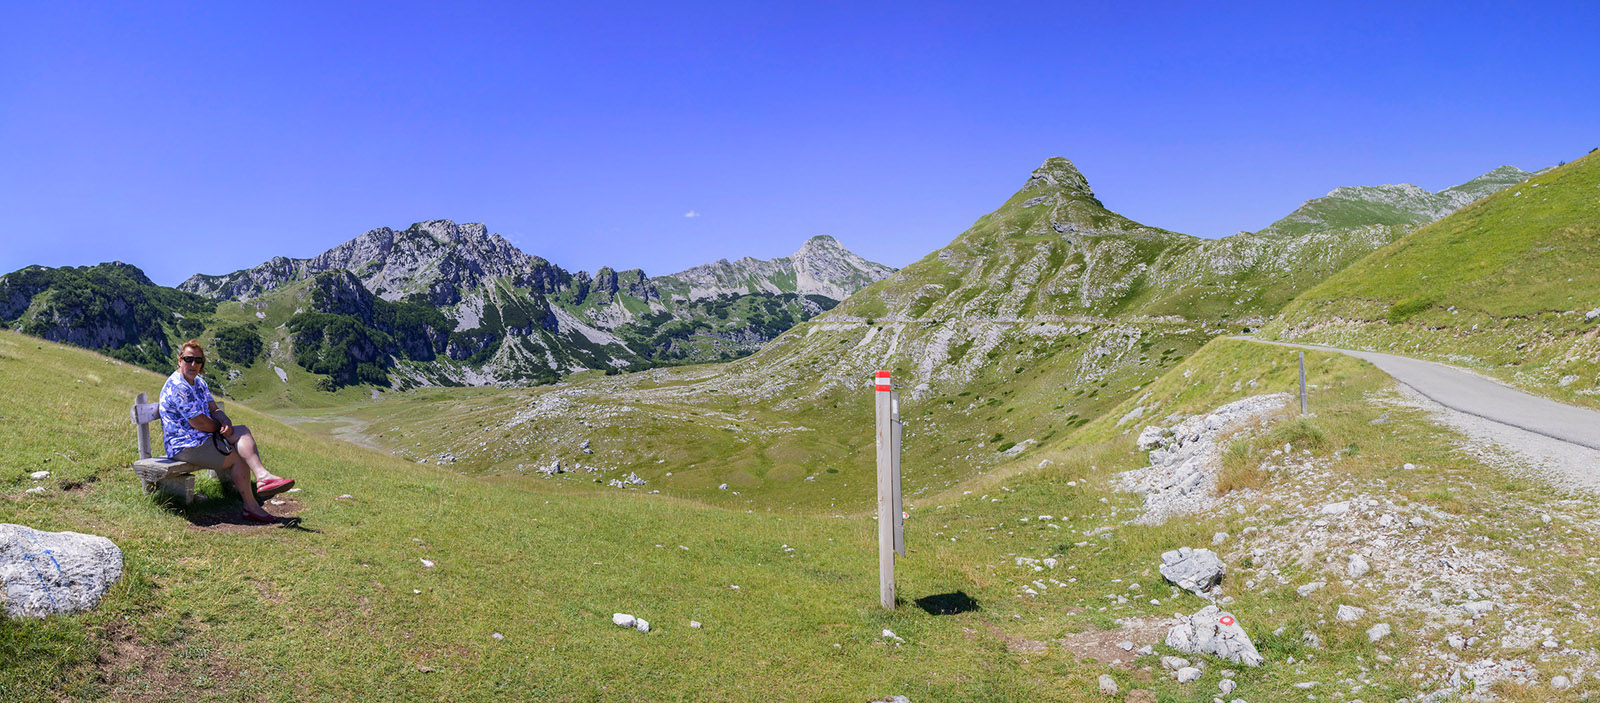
point(1302, 383)
point(891, 528)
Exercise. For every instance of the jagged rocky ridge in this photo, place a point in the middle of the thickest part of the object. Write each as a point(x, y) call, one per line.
point(514, 318)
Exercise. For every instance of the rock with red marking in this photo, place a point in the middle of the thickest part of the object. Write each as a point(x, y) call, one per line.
point(1215, 632)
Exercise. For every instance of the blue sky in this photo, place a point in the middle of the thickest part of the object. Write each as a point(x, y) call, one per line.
point(208, 137)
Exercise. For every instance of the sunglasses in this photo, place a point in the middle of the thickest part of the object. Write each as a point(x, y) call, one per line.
point(194, 359)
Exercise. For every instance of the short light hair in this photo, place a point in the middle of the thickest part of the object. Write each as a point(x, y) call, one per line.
point(192, 344)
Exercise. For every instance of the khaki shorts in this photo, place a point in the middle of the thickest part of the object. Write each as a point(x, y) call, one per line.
point(203, 455)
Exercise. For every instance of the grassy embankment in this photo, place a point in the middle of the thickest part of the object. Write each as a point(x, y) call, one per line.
point(1501, 286)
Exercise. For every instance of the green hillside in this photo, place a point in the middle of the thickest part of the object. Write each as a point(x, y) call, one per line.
point(1037, 319)
point(111, 306)
point(339, 606)
point(1502, 286)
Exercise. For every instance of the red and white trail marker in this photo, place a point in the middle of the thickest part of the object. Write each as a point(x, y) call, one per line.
point(891, 515)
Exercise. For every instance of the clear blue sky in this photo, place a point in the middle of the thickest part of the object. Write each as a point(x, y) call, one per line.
point(208, 137)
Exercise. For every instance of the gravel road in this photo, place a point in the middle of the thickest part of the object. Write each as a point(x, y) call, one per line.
point(1464, 391)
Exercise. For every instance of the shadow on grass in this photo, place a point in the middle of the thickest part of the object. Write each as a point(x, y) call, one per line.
point(947, 603)
point(225, 515)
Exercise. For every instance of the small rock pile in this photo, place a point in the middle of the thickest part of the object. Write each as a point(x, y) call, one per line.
point(1186, 458)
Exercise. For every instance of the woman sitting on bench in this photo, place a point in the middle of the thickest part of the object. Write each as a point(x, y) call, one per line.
point(191, 423)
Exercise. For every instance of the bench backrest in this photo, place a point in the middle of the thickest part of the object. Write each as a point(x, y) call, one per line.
point(143, 414)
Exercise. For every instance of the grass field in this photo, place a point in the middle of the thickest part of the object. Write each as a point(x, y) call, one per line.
point(341, 607)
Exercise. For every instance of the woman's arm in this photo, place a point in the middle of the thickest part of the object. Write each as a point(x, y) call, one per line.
point(224, 423)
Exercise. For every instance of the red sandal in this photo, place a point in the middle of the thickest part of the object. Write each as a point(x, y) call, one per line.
point(272, 487)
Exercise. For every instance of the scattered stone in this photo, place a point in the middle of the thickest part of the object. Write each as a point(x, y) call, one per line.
point(1592, 315)
point(1171, 663)
point(1146, 651)
point(1125, 646)
point(36, 490)
point(498, 636)
point(1311, 639)
point(1306, 685)
point(426, 564)
point(695, 624)
point(1182, 474)
point(1357, 567)
point(1195, 570)
point(623, 619)
point(346, 496)
point(1456, 642)
point(1108, 685)
point(44, 573)
point(722, 487)
point(1559, 682)
point(1227, 686)
point(1310, 588)
point(887, 634)
point(1378, 632)
point(1477, 608)
point(1152, 437)
point(1409, 466)
point(1336, 508)
point(39, 475)
point(1544, 519)
point(1349, 613)
point(1219, 538)
point(1188, 674)
point(1213, 631)
point(641, 625)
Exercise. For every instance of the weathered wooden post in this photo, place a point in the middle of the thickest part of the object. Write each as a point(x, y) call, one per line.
point(888, 487)
point(1302, 383)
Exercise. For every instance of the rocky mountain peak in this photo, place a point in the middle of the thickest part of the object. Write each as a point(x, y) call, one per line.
point(820, 244)
point(447, 231)
point(1058, 173)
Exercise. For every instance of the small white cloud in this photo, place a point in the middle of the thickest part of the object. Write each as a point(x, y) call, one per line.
point(691, 213)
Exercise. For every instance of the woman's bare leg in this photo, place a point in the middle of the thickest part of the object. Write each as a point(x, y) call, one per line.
point(241, 483)
point(244, 445)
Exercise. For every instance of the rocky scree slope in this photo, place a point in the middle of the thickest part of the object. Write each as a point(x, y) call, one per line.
point(1503, 286)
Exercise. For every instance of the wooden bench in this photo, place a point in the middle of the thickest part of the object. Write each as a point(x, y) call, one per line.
point(165, 474)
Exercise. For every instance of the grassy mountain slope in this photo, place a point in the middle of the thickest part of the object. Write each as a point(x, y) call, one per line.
point(1041, 316)
point(1502, 286)
point(342, 606)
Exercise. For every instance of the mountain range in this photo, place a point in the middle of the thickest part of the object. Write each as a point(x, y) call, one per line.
point(1045, 313)
point(441, 303)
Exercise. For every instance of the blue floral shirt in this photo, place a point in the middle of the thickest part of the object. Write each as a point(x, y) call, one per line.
point(179, 402)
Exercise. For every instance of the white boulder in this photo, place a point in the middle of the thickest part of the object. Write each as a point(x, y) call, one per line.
point(44, 573)
point(1196, 570)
